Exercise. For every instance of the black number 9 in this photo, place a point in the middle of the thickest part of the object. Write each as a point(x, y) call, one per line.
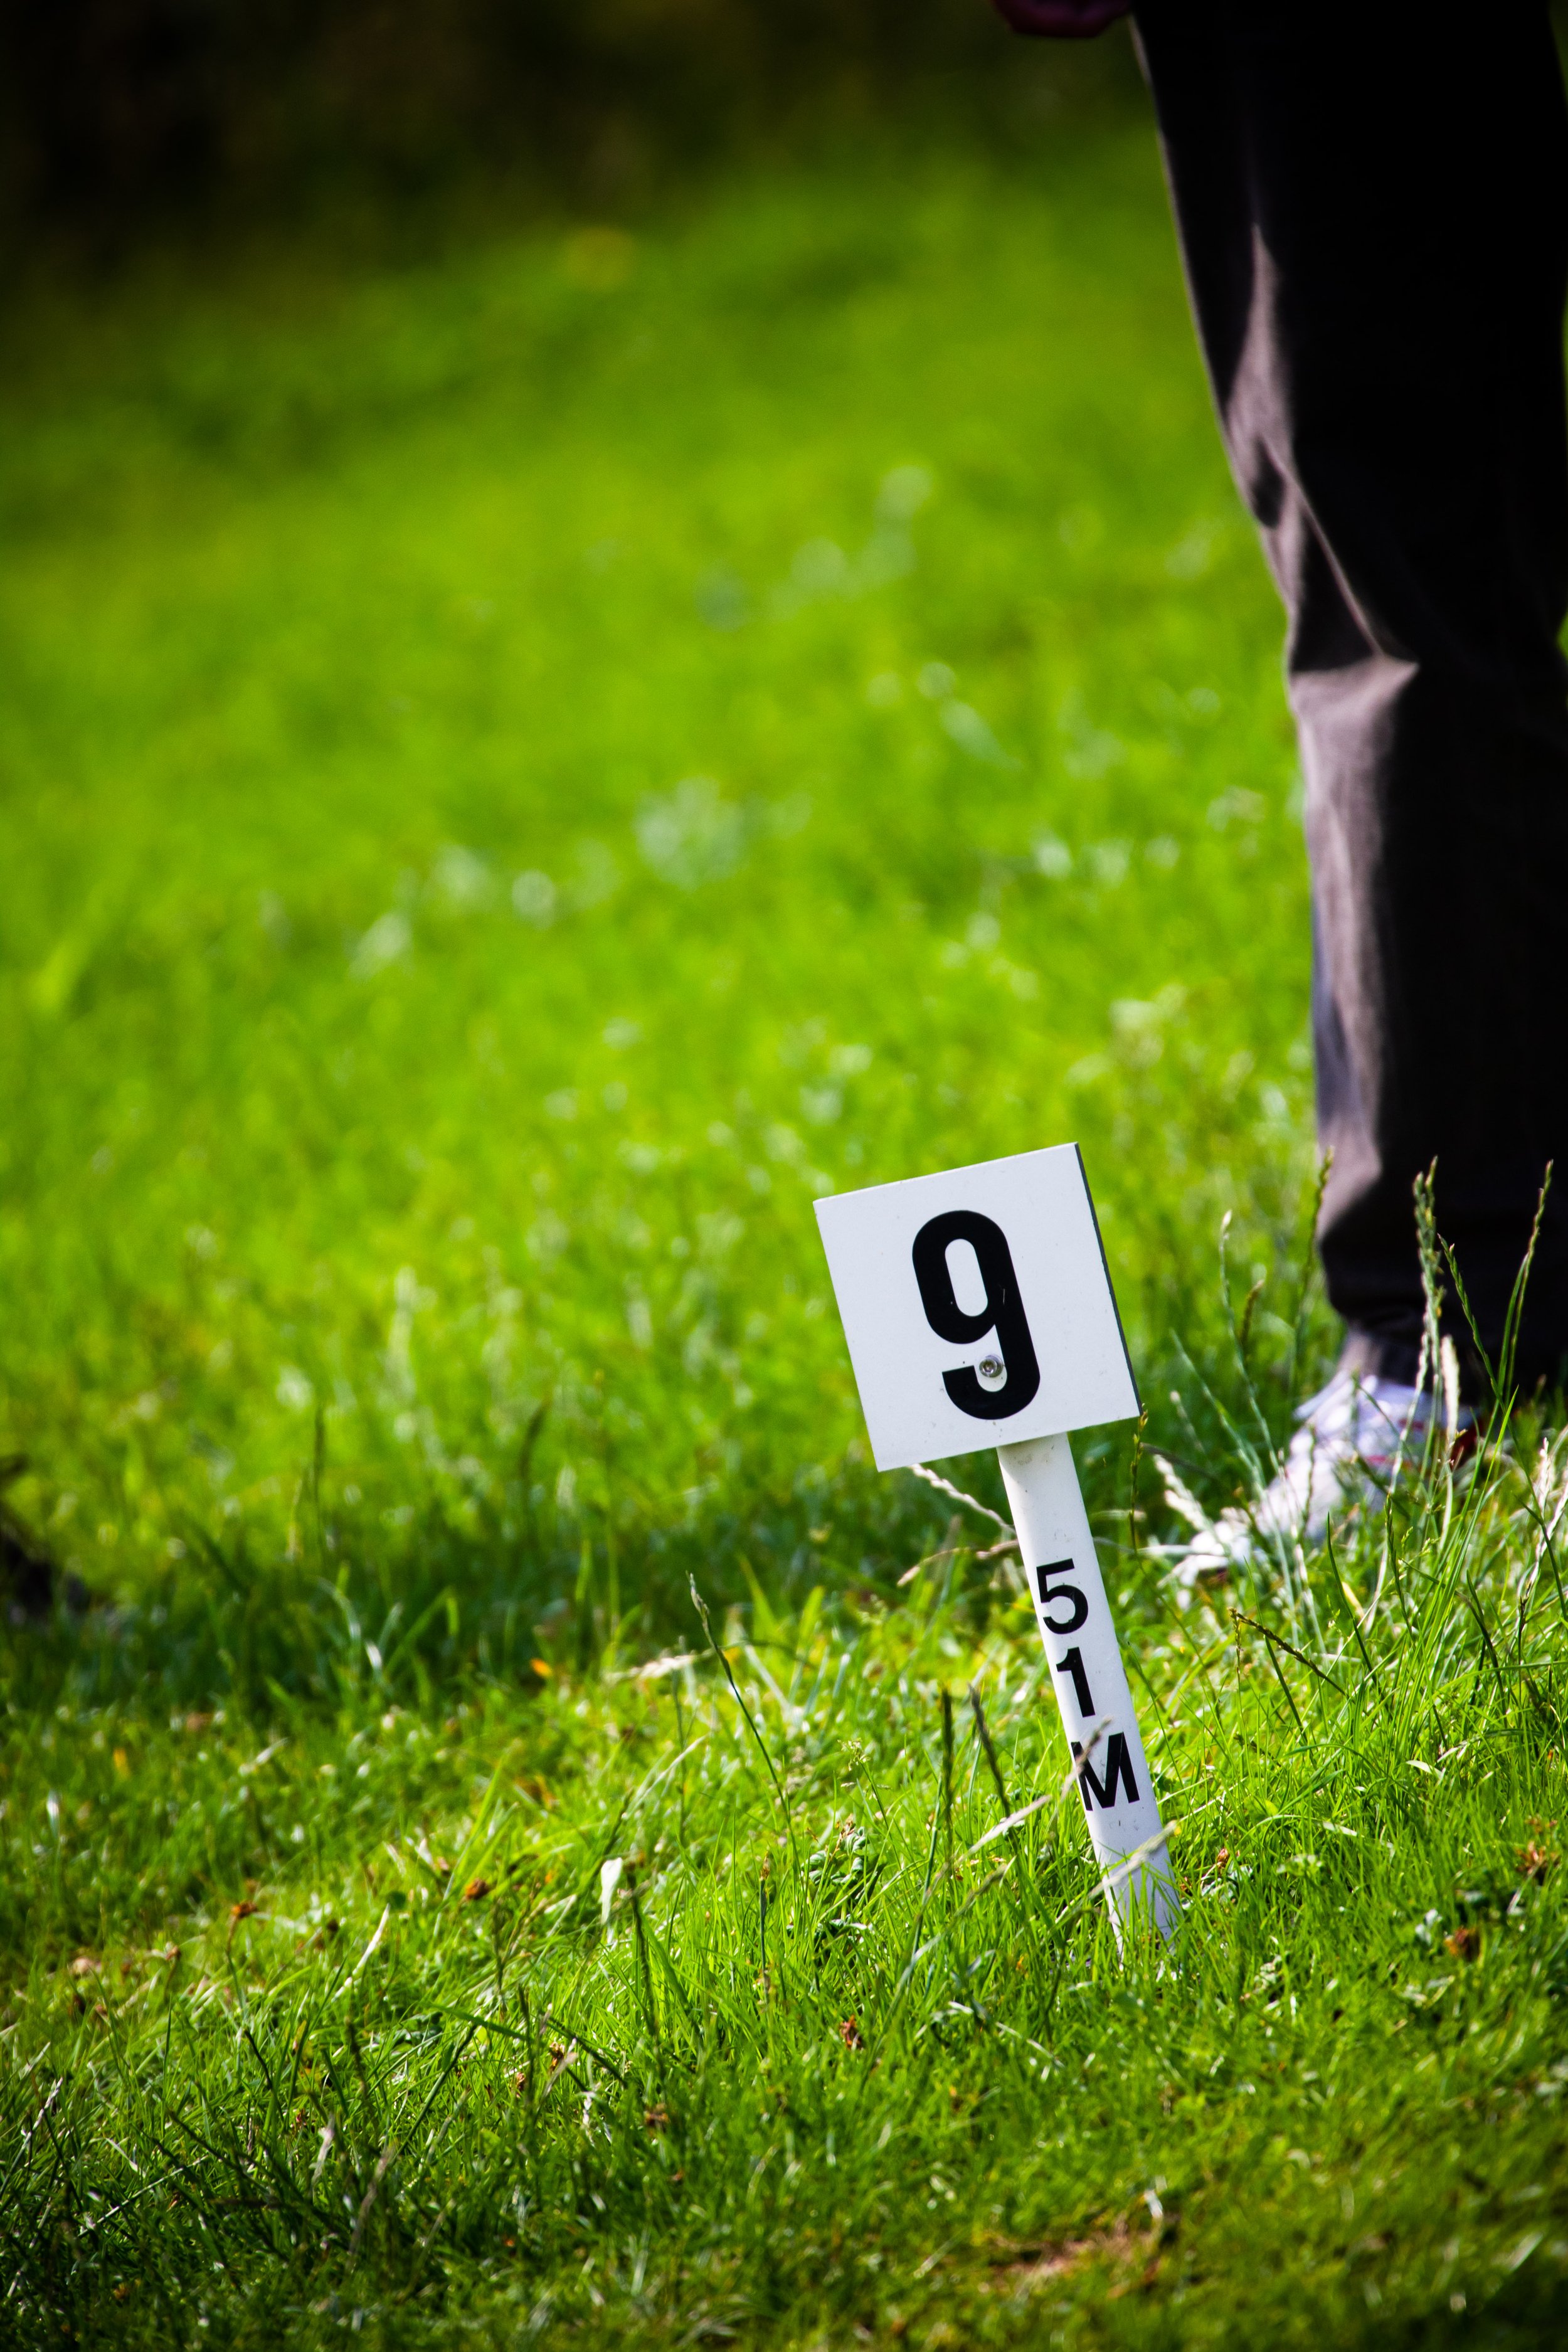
point(1003, 1312)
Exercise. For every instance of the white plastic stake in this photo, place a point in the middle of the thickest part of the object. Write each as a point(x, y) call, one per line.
point(978, 1310)
point(1074, 1618)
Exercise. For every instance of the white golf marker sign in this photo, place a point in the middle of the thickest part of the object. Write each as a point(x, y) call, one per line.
point(978, 1310)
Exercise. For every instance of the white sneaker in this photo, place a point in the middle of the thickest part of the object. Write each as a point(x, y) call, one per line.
point(1355, 1438)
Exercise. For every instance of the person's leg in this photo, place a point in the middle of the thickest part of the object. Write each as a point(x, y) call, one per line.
point(1374, 224)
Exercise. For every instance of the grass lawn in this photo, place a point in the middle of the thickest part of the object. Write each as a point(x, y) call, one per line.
point(519, 773)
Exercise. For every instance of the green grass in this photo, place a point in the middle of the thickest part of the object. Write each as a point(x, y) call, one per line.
point(831, 604)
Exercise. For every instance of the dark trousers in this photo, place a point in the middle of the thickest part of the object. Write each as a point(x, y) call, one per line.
point(1373, 217)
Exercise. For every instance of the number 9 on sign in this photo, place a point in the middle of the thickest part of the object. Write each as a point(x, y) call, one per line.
point(1002, 1312)
point(977, 1306)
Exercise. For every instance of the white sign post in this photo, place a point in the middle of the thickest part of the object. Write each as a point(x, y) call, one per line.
point(978, 1310)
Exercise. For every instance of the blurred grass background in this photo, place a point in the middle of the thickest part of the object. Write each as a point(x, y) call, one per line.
point(125, 121)
point(526, 766)
point(614, 617)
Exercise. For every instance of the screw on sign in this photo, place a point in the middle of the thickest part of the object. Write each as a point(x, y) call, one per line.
point(978, 1310)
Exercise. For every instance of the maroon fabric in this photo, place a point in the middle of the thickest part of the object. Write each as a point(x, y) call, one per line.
point(1376, 245)
point(1063, 20)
